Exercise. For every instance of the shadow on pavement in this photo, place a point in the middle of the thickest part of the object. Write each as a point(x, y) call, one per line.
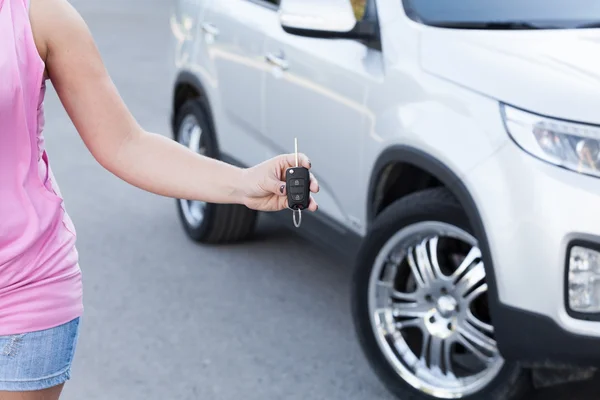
point(576, 391)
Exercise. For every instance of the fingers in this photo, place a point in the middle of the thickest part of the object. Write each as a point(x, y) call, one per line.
point(313, 205)
point(278, 187)
point(304, 161)
point(314, 184)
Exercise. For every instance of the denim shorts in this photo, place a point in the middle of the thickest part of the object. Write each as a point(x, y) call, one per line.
point(38, 360)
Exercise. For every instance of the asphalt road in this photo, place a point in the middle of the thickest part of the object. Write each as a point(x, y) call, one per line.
point(168, 319)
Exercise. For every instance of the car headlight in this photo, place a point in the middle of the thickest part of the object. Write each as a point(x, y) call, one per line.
point(570, 145)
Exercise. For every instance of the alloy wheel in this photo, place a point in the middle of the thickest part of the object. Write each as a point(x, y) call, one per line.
point(428, 310)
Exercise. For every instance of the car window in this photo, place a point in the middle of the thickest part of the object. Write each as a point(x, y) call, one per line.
point(275, 2)
point(506, 14)
point(359, 8)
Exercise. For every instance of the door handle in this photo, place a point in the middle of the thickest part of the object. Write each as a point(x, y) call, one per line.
point(210, 29)
point(278, 61)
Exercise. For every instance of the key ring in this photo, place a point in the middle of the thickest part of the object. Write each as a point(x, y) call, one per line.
point(297, 223)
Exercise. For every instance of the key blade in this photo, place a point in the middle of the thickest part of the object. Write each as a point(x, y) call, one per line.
point(296, 150)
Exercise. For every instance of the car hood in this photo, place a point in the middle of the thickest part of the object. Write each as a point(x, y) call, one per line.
point(550, 72)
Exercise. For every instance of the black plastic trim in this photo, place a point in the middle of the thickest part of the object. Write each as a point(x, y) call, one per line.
point(536, 340)
point(366, 30)
point(574, 314)
point(187, 78)
point(265, 4)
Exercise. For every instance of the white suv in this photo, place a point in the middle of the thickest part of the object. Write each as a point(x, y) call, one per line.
point(457, 147)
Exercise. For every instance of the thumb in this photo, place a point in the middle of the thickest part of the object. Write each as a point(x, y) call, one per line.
point(277, 187)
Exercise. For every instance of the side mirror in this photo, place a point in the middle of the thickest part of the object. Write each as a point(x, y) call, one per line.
point(328, 19)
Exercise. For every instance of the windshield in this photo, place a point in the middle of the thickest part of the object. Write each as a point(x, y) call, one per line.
point(506, 14)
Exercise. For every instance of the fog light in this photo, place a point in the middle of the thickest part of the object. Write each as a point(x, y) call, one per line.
point(584, 280)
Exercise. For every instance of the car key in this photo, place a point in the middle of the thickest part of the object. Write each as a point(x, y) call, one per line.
point(298, 187)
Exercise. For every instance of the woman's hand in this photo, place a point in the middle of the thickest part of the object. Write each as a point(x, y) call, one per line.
point(263, 186)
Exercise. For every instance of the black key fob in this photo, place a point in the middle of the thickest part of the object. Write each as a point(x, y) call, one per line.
point(297, 181)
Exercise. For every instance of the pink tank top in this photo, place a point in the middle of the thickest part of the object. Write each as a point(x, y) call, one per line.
point(40, 279)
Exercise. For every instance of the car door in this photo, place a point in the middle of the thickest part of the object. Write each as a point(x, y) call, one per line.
point(316, 91)
point(235, 37)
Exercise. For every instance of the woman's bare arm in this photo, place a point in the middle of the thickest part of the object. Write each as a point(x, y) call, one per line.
point(116, 140)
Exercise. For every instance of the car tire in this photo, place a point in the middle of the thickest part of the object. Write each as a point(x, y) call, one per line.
point(207, 222)
point(426, 215)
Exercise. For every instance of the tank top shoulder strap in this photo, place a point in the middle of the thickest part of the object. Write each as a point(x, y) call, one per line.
point(23, 64)
point(22, 3)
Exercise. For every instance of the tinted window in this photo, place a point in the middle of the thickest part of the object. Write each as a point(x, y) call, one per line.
point(514, 14)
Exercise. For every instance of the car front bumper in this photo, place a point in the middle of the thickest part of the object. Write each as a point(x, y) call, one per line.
point(531, 212)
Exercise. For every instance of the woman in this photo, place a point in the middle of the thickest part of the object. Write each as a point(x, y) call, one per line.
point(40, 279)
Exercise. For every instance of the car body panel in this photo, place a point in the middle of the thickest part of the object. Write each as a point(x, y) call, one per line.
point(562, 77)
point(320, 100)
point(237, 58)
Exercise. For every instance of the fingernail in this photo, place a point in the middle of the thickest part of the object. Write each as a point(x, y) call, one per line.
point(281, 188)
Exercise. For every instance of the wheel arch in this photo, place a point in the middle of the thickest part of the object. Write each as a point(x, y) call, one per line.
point(188, 86)
point(445, 177)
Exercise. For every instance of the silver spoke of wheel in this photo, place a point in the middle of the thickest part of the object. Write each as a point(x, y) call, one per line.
point(477, 337)
point(386, 285)
point(421, 282)
point(396, 295)
point(410, 310)
point(474, 254)
point(424, 264)
point(476, 293)
point(410, 323)
point(436, 349)
point(433, 260)
point(471, 279)
point(448, 358)
point(389, 274)
point(487, 360)
point(473, 320)
point(387, 292)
